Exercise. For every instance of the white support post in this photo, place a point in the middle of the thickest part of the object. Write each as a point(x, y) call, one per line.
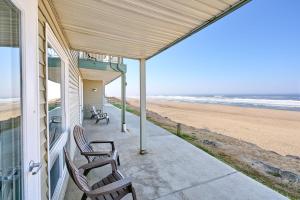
point(123, 97)
point(143, 119)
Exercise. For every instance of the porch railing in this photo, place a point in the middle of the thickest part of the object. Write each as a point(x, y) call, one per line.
point(98, 57)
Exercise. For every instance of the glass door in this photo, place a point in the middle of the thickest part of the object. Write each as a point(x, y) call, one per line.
point(10, 103)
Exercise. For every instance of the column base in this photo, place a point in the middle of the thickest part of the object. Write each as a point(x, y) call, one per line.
point(143, 152)
point(124, 129)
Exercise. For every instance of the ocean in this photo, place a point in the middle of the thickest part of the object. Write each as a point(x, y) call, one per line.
point(280, 102)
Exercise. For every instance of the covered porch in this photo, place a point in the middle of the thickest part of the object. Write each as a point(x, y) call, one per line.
point(172, 168)
point(136, 30)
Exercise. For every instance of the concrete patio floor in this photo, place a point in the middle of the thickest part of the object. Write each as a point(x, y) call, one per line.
point(172, 169)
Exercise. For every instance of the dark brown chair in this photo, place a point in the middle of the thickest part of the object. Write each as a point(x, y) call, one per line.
point(86, 148)
point(112, 187)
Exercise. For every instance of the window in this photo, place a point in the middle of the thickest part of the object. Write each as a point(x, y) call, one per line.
point(10, 103)
point(54, 175)
point(55, 96)
point(57, 134)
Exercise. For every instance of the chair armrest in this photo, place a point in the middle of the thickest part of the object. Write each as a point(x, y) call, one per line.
point(99, 163)
point(109, 188)
point(103, 142)
point(96, 153)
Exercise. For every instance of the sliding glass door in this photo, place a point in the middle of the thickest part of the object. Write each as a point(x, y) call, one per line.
point(10, 103)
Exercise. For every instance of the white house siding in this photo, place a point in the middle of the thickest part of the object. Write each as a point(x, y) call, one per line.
point(47, 15)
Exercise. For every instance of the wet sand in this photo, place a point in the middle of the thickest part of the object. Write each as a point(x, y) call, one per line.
point(274, 130)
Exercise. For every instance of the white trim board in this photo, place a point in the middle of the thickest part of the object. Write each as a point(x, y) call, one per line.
point(30, 95)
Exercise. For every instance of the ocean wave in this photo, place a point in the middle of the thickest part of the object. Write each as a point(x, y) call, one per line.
point(8, 100)
point(243, 101)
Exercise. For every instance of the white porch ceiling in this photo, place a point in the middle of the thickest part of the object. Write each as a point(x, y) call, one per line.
point(136, 28)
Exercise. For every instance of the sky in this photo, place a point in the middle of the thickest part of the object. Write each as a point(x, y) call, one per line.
point(254, 50)
point(10, 72)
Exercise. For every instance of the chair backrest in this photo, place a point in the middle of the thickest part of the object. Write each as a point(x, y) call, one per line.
point(94, 110)
point(81, 141)
point(79, 179)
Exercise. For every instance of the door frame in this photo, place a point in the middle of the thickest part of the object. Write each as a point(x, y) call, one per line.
point(30, 96)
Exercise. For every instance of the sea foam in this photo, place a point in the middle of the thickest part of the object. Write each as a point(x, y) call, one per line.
point(285, 102)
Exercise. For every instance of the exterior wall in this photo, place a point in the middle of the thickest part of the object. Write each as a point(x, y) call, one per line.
point(46, 15)
point(92, 97)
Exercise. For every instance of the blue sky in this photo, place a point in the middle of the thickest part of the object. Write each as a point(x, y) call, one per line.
point(254, 50)
point(9, 72)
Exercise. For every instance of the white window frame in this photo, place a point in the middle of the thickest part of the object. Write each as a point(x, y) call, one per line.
point(30, 96)
point(57, 149)
point(80, 86)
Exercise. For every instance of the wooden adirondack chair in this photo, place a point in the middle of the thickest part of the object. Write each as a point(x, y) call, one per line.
point(94, 112)
point(99, 115)
point(112, 187)
point(86, 148)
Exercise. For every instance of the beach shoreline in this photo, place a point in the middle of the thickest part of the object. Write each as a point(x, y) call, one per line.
point(270, 129)
point(280, 172)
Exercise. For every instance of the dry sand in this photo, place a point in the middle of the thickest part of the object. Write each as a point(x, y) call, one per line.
point(9, 110)
point(274, 130)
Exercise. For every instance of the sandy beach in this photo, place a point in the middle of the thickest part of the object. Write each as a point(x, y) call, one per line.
point(274, 130)
point(9, 110)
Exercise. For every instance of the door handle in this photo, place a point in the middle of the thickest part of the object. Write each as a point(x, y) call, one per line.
point(33, 165)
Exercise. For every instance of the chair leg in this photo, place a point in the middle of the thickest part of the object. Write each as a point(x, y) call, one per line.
point(97, 121)
point(84, 197)
point(133, 193)
point(107, 120)
point(86, 172)
point(118, 160)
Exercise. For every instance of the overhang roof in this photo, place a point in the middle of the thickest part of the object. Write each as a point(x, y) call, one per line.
point(98, 70)
point(101, 75)
point(136, 28)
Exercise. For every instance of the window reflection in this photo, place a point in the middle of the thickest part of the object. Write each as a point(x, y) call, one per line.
point(10, 103)
point(54, 95)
